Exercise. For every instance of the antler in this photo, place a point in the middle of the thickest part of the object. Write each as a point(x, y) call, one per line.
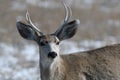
point(68, 13)
point(67, 17)
point(32, 25)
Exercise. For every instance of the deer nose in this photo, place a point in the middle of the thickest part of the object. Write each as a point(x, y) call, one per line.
point(52, 54)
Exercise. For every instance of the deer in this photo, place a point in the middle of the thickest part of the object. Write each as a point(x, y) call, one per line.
point(96, 64)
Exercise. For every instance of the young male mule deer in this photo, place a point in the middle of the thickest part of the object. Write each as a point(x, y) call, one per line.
point(98, 64)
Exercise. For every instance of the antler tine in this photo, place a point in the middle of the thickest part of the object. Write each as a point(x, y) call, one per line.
point(67, 16)
point(68, 12)
point(30, 22)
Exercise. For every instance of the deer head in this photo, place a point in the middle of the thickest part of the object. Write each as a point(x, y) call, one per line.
point(49, 43)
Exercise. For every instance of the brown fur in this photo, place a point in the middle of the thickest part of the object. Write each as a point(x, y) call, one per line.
point(98, 64)
point(49, 38)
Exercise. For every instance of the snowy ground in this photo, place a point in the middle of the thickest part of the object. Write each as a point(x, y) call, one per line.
point(18, 64)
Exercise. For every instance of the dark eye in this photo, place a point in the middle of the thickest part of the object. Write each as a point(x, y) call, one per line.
point(57, 43)
point(46, 42)
point(42, 44)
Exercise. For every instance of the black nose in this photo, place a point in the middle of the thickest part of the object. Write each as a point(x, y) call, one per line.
point(52, 54)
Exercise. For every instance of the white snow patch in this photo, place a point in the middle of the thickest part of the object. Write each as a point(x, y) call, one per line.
point(70, 47)
point(92, 43)
point(26, 74)
point(7, 48)
point(9, 67)
point(30, 52)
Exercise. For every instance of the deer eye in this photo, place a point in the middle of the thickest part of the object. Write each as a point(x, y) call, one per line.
point(58, 43)
point(42, 44)
point(46, 42)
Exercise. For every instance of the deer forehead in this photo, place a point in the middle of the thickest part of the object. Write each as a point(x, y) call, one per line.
point(49, 38)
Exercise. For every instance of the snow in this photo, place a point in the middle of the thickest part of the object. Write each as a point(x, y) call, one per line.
point(26, 74)
point(92, 43)
point(70, 47)
point(10, 69)
point(30, 51)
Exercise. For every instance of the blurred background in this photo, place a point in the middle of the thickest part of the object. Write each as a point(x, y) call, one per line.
point(99, 26)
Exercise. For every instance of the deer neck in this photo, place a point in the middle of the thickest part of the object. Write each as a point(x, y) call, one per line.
point(44, 67)
point(45, 64)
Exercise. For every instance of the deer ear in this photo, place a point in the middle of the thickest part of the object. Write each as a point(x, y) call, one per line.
point(26, 31)
point(68, 30)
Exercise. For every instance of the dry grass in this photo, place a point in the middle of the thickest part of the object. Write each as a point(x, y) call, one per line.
point(93, 25)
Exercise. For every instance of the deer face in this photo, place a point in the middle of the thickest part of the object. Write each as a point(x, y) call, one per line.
point(49, 44)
